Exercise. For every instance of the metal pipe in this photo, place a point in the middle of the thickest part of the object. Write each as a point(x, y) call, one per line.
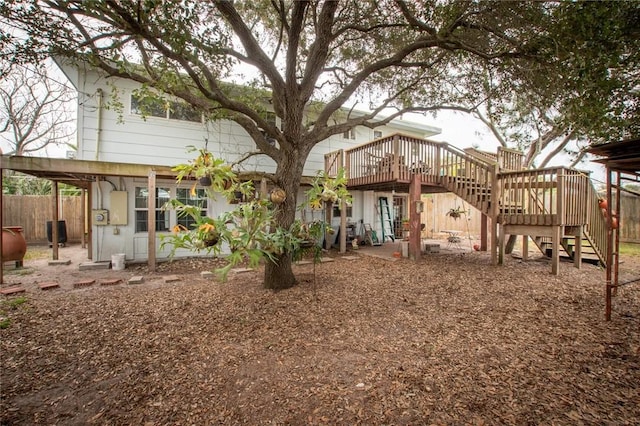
point(98, 122)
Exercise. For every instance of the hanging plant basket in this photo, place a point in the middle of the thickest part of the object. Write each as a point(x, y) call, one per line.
point(211, 240)
point(205, 181)
point(456, 213)
point(277, 196)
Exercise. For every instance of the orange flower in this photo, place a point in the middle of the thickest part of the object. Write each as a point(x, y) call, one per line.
point(206, 227)
point(178, 228)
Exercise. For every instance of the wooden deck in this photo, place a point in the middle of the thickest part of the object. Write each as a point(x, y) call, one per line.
point(496, 184)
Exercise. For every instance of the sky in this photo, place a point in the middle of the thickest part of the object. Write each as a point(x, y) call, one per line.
point(463, 131)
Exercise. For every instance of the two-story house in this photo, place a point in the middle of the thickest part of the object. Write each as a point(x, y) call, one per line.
point(123, 138)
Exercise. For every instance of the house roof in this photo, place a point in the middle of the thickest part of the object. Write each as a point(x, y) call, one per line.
point(622, 156)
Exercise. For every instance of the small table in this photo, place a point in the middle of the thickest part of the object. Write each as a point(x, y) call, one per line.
point(453, 239)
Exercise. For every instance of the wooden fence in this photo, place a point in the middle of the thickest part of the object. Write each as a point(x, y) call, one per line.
point(436, 207)
point(33, 211)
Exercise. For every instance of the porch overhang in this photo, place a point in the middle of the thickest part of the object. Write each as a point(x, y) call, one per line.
point(622, 156)
point(79, 173)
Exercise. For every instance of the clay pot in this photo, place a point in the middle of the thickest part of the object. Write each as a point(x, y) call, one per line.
point(14, 246)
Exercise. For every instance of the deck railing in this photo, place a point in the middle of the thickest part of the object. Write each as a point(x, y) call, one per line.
point(394, 158)
point(333, 161)
point(550, 196)
point(509, 159)
point(596, 225)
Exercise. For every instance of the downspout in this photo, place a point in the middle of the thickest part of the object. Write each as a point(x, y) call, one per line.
point(98, 122)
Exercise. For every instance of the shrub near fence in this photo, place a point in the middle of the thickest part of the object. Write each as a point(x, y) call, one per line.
point(33, 211)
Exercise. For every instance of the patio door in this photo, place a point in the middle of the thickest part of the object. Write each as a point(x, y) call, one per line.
point(399, 212)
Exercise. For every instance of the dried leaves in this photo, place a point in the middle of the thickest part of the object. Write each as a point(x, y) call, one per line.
point(447, 340)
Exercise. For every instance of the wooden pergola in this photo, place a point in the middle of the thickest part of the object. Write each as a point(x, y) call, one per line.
point(622, 162)
point(82, 173)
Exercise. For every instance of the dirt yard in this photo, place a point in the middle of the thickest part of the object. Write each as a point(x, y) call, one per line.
point(448, 340)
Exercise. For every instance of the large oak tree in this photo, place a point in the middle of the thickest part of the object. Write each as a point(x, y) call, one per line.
point(387, 57)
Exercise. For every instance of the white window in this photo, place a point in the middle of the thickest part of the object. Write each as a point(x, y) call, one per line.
point(200, 199)
point(142, 207)
point(377, 134)
point(156, 107)
point(349, 134)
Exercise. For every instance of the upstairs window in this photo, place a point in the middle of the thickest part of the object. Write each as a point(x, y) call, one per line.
point(349, 134)
point(162, 108)
point(377, 134)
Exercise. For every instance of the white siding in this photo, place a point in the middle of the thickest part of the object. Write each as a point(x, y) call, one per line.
point(128, 138)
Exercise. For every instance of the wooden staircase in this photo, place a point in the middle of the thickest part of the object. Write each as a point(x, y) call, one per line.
point(526, 202)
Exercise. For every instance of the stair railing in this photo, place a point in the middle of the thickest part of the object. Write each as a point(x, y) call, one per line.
point(595, 229)
point(467, 177)
point(333, 161)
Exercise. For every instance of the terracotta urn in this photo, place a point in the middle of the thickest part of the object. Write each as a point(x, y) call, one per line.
point(14, 246)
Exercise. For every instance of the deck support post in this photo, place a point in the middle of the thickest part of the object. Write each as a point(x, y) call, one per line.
point(343, 228)
point(484, 223)
point(54, 221)
point(577, 248)
point(89, 216)
point(525, 247)
point(556, 231)
point(501, 238)
point(415, 190)
point(496, 194)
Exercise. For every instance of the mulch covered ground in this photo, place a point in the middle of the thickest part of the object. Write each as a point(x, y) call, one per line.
point(448, 340)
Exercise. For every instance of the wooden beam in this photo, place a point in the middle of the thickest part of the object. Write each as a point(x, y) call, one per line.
point(525, 247)
point(151, 221)
point(89, 223)
point(415, 191)
point(64, 167)
point(83, 217)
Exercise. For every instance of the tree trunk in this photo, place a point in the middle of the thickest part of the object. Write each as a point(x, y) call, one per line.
point(278, 275)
